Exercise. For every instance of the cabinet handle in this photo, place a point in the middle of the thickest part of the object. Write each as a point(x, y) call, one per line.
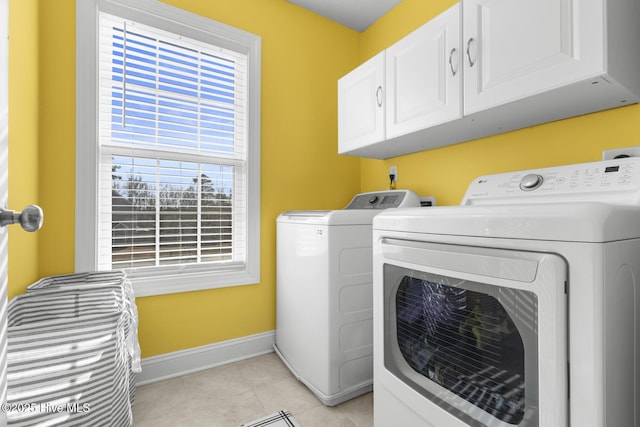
point(471, 63)
point(453, 71)
point(379, 96)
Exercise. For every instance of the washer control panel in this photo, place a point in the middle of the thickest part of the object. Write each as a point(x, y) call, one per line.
point(613, 181)
point(384, 200)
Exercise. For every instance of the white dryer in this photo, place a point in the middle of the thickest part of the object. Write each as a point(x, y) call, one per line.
point(519, 308)
point(324, 294)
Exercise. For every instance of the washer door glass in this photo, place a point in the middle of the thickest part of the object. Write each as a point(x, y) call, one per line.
point(472, 345)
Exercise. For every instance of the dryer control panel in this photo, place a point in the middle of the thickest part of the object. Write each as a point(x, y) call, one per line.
point(384, 200)
point(614, 181)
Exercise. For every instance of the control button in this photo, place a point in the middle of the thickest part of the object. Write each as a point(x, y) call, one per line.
point(373, 199)
point(531, 182)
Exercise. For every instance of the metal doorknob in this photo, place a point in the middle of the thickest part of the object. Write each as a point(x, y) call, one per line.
point(30, 218)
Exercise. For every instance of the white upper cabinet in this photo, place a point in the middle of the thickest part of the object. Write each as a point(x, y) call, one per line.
point(413, 85)
point(485, 67)
point(517, 48)
point(423, 76)
point(361, 106)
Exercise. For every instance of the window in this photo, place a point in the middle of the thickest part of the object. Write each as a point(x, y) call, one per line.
point(168, 147)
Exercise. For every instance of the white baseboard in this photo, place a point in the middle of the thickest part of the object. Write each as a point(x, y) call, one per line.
point(183, 362)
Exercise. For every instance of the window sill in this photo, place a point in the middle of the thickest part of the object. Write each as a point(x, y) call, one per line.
point(171, 283)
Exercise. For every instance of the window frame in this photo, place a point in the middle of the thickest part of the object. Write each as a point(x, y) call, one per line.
point(182, 278)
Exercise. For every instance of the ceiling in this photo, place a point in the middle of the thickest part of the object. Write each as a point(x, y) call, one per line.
point(356, 14)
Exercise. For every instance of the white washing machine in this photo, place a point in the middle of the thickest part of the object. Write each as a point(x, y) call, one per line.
point(518, 308)
point(324, 294)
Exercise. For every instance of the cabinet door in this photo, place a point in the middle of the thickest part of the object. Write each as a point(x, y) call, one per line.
point(361, 105)
point(423, 76)
point(518, 48)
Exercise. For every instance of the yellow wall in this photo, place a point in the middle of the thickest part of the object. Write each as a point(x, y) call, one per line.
point(303, 55)
point(23, 137)
point(446, 172)
point(56, 148)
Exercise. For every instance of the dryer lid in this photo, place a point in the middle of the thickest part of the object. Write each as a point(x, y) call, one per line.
point(337, 217)
point(361, 210)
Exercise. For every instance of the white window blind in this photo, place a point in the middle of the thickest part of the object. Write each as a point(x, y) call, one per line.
point(172, 151)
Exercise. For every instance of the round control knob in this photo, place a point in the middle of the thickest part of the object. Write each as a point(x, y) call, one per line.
point(373, 199)
point(531, 182)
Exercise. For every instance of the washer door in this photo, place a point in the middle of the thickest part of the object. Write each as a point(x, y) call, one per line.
point(479, 333)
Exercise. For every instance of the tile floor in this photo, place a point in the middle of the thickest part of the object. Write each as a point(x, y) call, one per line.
point(230, 395)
